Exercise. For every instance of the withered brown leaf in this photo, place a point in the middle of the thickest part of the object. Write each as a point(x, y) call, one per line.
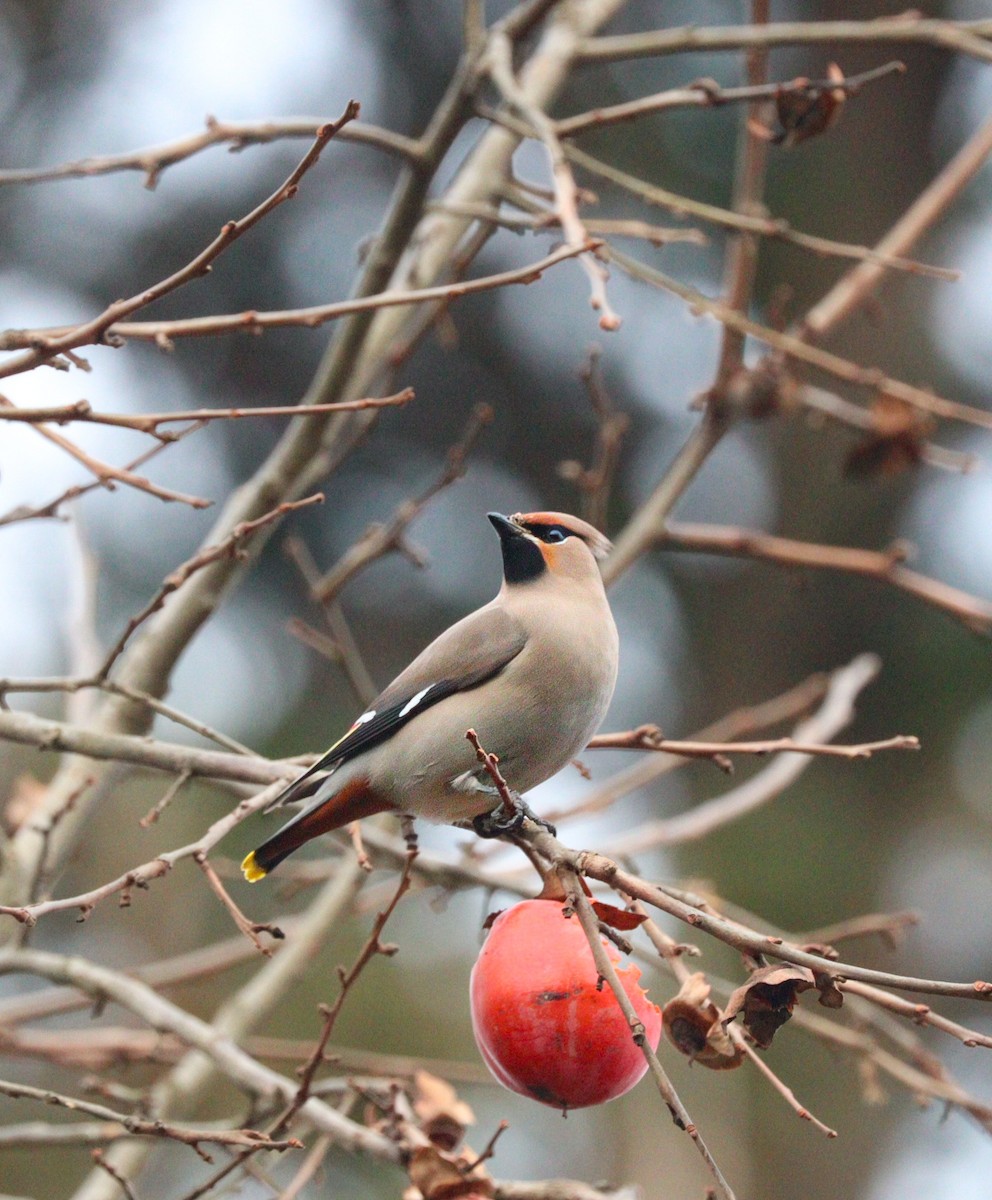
point(692, 1024)
point(618, 918)
point(767, 999)
point(895, 442)
point(27, 795)
point(806, 110)
point(443, 1117)
point(441, 1176)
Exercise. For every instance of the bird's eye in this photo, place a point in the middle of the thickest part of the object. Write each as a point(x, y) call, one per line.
point(554, 535)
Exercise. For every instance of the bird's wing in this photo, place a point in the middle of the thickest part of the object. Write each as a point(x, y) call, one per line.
point(464, 656)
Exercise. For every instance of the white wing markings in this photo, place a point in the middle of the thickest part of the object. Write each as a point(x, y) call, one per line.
point(412, 704)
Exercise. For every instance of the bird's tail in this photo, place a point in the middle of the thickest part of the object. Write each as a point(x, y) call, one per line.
point(352, 801)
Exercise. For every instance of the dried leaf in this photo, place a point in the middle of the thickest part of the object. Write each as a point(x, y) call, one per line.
point(26, 796)
point(618, 918)
point(767, 999)
point(896, 441)
point(830, 994)
point(692, 1024)
point(443, 1117)
point(806, 110)
point(441, 1176)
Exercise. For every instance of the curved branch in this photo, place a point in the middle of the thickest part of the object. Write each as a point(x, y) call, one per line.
point(149, 1006)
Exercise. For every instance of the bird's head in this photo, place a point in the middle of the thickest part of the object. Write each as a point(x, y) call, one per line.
point(548, 544)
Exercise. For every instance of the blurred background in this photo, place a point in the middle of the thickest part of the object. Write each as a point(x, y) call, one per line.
point(700, 636)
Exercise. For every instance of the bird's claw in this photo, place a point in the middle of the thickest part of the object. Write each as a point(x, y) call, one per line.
point(500, 820)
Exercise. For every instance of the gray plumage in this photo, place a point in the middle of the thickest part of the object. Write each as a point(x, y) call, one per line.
point(532, 672)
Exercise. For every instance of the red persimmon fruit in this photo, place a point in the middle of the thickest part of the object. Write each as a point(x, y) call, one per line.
point(545, 1024)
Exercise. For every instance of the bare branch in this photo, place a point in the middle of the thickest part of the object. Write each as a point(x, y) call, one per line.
point(597, 866)
point(164, 332)
point(836, 711)
point(705, 93)
point(100, 328)
point(500, 62)
point(774, 228)
point(649, 737)
point(790, 1097)
point(150, 422)
point(931, 204)
point(153, 160)
point(230, 546)
point(379, 540)
point(139, 1127)
point(251, 929)
point(373, 946)
point(966, 37)
point(590, 926)
point(884, 566)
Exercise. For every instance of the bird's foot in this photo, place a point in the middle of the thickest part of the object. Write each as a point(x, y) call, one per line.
point(501, 820)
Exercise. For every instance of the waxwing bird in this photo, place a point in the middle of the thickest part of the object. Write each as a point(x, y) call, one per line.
point(532, 672)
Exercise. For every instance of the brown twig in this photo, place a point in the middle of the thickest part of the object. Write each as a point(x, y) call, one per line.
point(773, 228)
point(251, 929)
point(884, 566)
point(590, 926)
point(50, 509)
point(308, 1168)
point(198, 1034)
point(779, 1085)
point(72, 684)
point(491, 764)
point(890, 927)
point(500, 63)
point(106, 475)
point(791, 346)
point(163, 332)
point(171, 792)
point(29, 730)
point(922, 1081)
point(919, 1014)
point(46, 827)
point(852, 290)
point(836, 711)
point(706, 93)
point(230, 546)
point(141, 876)
point(142, 1127)
point(538, 219)
point(44, 347)
point(966, 37)
point(784, 707)
point(594, 482)
point(749, 942)
point(237, 135)
point(379, 540)
point(649, 737)
point(373, 947)
point(81, 410)
point(121, 1180)
point(556, 1189)
point(740, 262)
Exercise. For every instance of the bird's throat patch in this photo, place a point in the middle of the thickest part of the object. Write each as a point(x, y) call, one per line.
point(523, 560)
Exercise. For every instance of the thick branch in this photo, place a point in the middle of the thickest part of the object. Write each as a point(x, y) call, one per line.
point(966, 37)
point(146, 1004)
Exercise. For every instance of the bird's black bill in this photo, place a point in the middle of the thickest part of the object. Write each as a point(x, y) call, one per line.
point(522, 557)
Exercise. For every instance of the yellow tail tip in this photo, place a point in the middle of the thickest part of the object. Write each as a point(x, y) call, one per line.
point(251, 870)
